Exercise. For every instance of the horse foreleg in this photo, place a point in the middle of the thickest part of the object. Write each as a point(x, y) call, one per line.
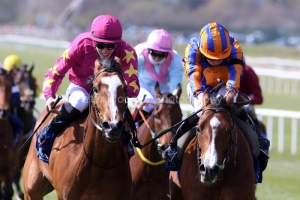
point(175, 187)
point(7, 190)
point(17, 184)
point(36, 185)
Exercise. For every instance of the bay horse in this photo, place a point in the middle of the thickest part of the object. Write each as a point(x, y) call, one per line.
point(8, 152)
point(89, 159)
point(149, 180)
point(217, 163)
point(26, 83)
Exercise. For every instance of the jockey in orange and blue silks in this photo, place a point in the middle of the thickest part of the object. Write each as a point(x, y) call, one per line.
point(211, 55)
point(158, 62)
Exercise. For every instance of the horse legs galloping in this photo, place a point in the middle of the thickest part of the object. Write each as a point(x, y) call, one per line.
point(36, 185)
point(7, 190)
point(16, 181)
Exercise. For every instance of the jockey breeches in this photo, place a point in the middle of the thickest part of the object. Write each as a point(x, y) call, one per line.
point(78, 97)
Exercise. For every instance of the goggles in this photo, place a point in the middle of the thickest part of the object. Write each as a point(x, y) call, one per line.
point(109, 46)
point(157, 53)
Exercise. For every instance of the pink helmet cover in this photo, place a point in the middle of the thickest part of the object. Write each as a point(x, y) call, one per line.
point(107, 29)
point(160, 40)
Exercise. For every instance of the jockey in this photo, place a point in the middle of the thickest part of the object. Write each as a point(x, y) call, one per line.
point(15, 101)
point(13, 62)
point(104, 41)
point(158, 62)
point(250, 86)
point(210, 56)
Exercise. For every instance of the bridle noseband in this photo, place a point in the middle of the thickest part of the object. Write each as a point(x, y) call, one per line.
point(231, 141)
point(99, 125)
point(94, 90)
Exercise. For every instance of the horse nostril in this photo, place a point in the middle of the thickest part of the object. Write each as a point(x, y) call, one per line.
point(215, 169)
point(106, 125)
point(120, 125)
point(202, 168)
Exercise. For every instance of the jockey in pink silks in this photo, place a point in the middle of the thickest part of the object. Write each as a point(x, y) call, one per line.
point(104, 41)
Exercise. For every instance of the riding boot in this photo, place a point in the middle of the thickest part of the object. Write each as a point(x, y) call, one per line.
point(171, 152)
point(59, 122)
point(129, 127)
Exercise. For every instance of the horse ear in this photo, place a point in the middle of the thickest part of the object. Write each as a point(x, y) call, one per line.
point(179, 91)
point(97, 67)
point(31, 68)
point(157, 91)
point(118, 61)
point(242, 99)
point(206, 98)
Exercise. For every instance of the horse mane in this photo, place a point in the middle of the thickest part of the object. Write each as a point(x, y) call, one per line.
point(107, 63)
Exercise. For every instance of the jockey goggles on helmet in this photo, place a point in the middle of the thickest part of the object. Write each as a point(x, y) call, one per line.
point(109, 46)
point(157, 53)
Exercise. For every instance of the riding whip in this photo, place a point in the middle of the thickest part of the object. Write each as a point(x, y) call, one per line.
point(43, 120)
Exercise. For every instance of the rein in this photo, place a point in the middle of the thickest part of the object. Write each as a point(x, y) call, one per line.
point(222, 166)
point(152, 132)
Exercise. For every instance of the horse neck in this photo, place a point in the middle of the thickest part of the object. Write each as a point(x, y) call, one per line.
point(6, 133)
point(97, 146)
point(150, 151)
point(25, 117)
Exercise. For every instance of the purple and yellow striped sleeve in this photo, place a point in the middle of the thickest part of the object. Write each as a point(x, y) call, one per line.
point(193, 69)
point(235, 67)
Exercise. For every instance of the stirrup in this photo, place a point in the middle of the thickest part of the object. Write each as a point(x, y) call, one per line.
point(43, 134)
point(171, 159)
point(130, 149)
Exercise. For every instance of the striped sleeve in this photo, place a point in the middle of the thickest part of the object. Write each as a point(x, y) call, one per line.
point(235, 68)
point(193, 69)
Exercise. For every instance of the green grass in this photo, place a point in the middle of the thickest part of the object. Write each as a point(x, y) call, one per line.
point(281, 178)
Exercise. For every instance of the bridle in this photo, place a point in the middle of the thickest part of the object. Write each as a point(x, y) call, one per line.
point(229, 147)
point(151, 126)
point(28, 91)
point(99, 125)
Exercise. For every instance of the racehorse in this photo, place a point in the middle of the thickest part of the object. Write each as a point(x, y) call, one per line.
point(8, 152)
point(89, 159)
point(25, 81)
point(149, 180)
point(217, 163)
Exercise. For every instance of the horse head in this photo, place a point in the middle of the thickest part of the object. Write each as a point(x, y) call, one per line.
point(214, 138)
point(166, 113)
point(108, 98)
point(26, 82)
point(5, 93)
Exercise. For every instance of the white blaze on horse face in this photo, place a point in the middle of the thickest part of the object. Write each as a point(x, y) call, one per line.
point(113, 83)
point(211, 156)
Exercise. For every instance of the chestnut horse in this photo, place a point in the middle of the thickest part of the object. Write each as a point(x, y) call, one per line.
point(89, 159)
point(9, 154)
point(217, 164)
point(149, 180)
point(26, 83)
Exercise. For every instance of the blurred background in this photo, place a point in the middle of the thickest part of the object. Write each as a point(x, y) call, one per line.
point(251, 21)
point(269, 31)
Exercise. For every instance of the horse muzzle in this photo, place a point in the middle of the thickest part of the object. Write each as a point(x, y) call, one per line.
point(209, 174)
point(112, 130)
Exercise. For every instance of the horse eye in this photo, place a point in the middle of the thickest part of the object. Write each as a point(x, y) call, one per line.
point(155, 116)
point(95, 89)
